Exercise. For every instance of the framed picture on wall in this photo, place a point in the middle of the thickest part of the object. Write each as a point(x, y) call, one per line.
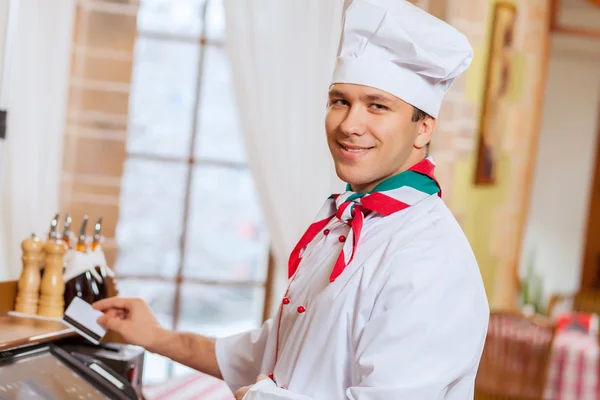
point(497, 85)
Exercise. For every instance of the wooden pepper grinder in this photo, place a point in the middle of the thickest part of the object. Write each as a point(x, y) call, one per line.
point(53, 286)
point(29, 282)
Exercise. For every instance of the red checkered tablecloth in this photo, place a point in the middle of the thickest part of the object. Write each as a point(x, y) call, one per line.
point(191, 387)
point(573, 368)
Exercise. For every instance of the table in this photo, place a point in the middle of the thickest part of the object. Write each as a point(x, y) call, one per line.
point(16, 332)
point(573, 364)
point(573, 372)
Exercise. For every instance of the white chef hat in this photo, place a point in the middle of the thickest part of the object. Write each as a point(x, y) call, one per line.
point(395, 46)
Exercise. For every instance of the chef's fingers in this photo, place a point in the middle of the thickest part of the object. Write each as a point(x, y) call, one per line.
point(114, 302)
point(110, 321)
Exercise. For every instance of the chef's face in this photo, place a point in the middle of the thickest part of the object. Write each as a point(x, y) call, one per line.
point(372, 136)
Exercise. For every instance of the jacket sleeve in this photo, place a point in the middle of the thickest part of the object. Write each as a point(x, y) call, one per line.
point(424, 338)
point(268, 390)
point(240, 356)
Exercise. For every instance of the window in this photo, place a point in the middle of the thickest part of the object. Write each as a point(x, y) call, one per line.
point(191, 238)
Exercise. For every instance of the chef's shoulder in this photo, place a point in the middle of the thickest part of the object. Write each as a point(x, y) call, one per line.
point(430, 245)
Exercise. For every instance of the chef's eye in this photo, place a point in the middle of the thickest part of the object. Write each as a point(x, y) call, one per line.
point(339, 102)
point(379, 107)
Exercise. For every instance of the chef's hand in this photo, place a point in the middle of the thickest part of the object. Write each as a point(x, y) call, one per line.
point(239, 395)
point(131, 318)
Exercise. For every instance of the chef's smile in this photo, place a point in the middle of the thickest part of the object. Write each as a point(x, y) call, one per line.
point(352, 151)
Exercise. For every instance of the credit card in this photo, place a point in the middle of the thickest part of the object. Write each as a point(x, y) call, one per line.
point(82, 317)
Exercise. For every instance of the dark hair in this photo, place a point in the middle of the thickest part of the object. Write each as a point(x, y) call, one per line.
point(420, 115)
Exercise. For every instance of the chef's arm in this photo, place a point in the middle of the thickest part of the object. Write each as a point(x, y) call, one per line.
point(236, 359)
point(241, 357)
point(135, 322)
point(194, 351)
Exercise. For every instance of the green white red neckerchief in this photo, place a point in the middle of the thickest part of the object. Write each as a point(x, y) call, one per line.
point(392, 195)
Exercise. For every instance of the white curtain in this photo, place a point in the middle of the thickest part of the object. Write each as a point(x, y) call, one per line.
point(282, 55)
point(35, 91)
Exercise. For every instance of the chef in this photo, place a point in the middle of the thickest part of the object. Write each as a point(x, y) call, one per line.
point(385, 299)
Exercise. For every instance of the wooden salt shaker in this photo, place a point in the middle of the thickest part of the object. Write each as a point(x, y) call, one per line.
point(29, 282)
point(53, 286)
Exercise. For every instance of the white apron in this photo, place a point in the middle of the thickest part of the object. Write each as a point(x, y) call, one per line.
point(407, 318)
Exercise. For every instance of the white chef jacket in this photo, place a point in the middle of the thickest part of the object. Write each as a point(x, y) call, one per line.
point(406, 319)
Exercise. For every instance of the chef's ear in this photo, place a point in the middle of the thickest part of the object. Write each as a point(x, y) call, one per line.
point(425, 129)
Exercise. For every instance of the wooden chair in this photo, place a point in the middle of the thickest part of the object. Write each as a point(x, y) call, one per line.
point(587, 301)
point(515, 359)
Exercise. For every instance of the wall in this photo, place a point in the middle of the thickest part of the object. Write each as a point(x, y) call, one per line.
point(4, 273)
point(39, 45)
point(557, 225)
point(493, 216)
point(85, 69)
point(3, 32)
point(97, 114)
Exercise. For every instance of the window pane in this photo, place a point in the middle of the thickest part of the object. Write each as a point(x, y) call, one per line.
point(218, 311)
point(226, 232)
point(150, 220)
point(162, 97)
point(219, 134)
point(215, 21)
point(180, 17)
point(160, 296)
